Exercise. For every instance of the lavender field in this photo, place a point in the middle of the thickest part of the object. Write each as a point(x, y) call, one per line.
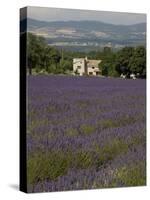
point(85, 133)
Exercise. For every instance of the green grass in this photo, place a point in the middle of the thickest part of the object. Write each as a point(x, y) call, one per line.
point(110, 123)
point(83, 160)
point(51, 165)
point(72, 132)
point(87, 129)
point(138, 140)
point(133, 176)
point(110, 151)
point(42, 166)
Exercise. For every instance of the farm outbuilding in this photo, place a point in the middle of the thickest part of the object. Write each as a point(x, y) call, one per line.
point(85, 66)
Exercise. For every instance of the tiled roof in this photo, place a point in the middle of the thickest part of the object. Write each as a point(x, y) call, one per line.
point(94, 62)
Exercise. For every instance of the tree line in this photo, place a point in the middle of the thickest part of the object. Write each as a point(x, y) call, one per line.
point(47, 59)
point(126, 61)
point(42, 57)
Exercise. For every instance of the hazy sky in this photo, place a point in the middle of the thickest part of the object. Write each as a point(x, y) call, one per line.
point(59, 14)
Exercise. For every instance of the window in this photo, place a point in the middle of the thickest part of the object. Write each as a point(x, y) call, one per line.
point(90, 73)
point(93, 67)
point(79, 67)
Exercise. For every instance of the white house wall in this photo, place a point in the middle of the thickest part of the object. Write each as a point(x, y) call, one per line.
point(93, 71)
point(79, 66)
point(85, 66)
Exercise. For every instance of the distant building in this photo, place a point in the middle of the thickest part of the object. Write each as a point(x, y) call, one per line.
point(84, 66)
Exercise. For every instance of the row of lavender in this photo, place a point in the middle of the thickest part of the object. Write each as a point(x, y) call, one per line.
point(85, 133)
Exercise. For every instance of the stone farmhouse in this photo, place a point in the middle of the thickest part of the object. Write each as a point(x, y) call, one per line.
point(84, 66)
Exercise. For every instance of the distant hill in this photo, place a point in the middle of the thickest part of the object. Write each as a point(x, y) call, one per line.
point(82, 34)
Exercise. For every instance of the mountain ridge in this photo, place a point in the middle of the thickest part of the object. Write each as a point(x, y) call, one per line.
point(65, 21)
point(88, 33)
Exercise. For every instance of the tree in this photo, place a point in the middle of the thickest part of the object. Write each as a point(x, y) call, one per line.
point(107, 50)
point(138, 61)
point(108, 63)
point(123, 57)
point(40, 55)
point(35, 47)
point(66, 65)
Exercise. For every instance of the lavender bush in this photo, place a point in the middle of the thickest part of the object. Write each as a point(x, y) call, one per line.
point(85, 133)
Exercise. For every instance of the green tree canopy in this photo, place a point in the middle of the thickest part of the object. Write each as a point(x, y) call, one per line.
point(123, 59)
point(138, 61)
point(40, 55)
